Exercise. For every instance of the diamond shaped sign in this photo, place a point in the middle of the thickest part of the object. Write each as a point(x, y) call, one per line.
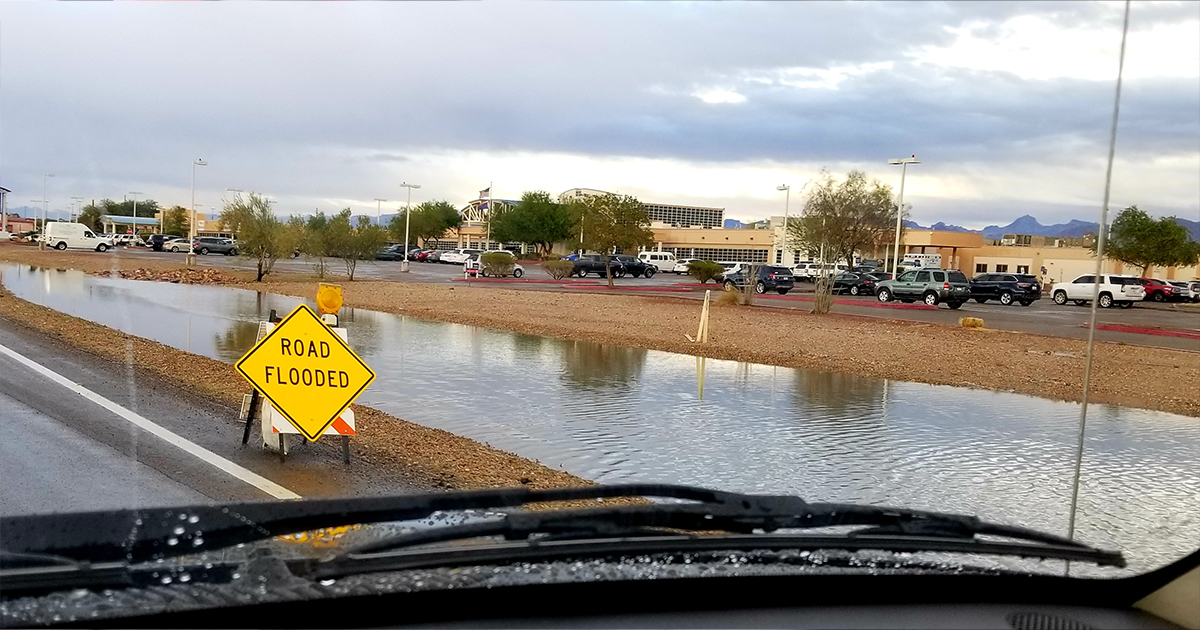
point(307, 372)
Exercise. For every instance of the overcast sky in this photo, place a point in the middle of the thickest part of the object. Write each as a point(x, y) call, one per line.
point(328, 105)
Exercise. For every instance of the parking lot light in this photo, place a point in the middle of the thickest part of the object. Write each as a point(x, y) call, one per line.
point(903, 162)
point(407, 218)
point(191, 257)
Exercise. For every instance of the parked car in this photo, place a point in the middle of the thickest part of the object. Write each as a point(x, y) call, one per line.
point(809, 272)
point(1187, 290)
point(932, 286)
point(473, 263)
point(422, 255)
point(731, 267)
point(391, 252)
point(1120, 290)
point(458, 256)
point(1006, 287)
point(662, 261)
point(766, 278)
point(636, 267)
point(61, 235)
point(1159, 290)
point(214, 245)
point(681, 265)
point(435, 256)
point(880, 276)
point(594, 263)
point(854, 283)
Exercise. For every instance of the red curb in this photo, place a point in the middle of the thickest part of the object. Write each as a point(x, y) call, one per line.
point(522, 280)
point(1161, 332)
point(921, 307)
point(606, 287)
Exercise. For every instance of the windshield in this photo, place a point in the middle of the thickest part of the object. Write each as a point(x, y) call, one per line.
point(711, 279)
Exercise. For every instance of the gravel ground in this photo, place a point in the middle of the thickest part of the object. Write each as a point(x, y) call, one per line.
point(1050, 367)
point(432, 457)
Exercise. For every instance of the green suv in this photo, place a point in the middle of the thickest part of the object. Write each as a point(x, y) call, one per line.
point(928, 285)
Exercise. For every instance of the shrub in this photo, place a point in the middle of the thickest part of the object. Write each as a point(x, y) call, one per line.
point(728, 298)
point(558, 269)
point(497, 264)
point(705, 270)
point(970, 322)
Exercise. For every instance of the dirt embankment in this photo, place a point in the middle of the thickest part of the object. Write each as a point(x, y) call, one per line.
point(1051, 367)
point(431, 457)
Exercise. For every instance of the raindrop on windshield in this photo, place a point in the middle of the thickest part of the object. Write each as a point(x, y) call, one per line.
point(178, 530)
point(172, 541)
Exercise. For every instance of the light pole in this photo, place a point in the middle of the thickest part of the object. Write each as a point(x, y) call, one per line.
point(407, 218)
point(787, 201)
point(45, 200)
point(135, 194)
point(377, 211)
point(79, 203)
point(903, 162)
point(191, 256)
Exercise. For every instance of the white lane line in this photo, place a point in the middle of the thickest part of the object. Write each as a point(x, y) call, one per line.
point(201, 453)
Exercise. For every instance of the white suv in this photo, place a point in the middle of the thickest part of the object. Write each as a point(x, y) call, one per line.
point(1114, 289)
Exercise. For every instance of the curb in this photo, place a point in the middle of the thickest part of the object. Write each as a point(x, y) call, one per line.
point(876, 304)
point(1144, 330)
point(521, 280)
point(608, 288)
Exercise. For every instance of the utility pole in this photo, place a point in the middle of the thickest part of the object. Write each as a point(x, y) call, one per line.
point(191, 255)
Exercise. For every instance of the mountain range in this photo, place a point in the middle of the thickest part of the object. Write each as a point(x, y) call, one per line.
point(1030, 225)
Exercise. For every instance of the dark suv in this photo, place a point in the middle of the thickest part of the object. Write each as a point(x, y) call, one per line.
point(1006, 287)
point(767, 278)
point(214, 245)
point(594, 263)
point(928, 285)
point(633, 266)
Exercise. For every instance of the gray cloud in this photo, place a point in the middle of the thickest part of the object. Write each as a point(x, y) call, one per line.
point(116, 96)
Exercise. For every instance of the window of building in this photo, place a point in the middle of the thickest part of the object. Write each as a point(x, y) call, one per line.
point(980, 268)
point(779, 257)
point(1001, 268)
point(1022, 268)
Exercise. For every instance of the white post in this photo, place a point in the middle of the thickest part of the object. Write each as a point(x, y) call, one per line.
point(191, 255)
point(786, 203)
point(491, 209)
point(379, 211)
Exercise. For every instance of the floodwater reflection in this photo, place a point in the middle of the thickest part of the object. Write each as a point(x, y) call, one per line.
point(614, 414)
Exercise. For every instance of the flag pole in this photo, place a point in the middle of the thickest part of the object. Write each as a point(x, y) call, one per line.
point(489, 217)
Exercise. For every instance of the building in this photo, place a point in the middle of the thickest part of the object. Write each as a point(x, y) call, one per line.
point(121, 224)
point(662, 214)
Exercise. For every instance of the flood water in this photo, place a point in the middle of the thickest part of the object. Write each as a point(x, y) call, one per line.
point(613, 413)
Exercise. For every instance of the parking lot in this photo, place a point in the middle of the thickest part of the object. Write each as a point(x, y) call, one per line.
point(1169, 325)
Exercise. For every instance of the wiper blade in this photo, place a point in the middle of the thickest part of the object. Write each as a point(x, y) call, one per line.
point(888, 528)
point(146, 534)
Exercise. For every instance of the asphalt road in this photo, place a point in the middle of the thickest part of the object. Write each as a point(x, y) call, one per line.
point(1043, 317)
point(63, 452)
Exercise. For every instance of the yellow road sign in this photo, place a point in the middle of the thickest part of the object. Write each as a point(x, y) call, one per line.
point(307, 372)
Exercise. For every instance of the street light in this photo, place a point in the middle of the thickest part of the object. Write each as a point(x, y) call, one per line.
point(135, 194)
point(407, 218)
point(79, 202)
point(787, 200)
point(191, 257)
point(377, 215)
point(903, 162)
point(45, 199)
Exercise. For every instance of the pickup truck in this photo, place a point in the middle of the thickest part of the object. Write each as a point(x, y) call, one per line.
point(594, 263)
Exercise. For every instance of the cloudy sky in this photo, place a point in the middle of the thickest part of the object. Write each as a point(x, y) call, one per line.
point(328, 105)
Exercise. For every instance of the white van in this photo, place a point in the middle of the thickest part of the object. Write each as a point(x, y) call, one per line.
point(921, 261)
point(665, 261)
point(60, 235)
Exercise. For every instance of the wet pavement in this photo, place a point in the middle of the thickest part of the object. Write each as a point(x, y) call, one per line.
point(614, 413)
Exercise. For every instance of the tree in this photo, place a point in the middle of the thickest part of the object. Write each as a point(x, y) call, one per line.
point(261, 235)
point(538, 220)
point(1139, 240)
point(353, 244)
point(175, 221)
point(90, 216)
point(311, 240)
point(844, 218)
point(430, 220)
point(612, 223)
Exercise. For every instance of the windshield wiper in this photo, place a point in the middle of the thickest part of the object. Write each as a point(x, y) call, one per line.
point(641, 528)
point(138, 535)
